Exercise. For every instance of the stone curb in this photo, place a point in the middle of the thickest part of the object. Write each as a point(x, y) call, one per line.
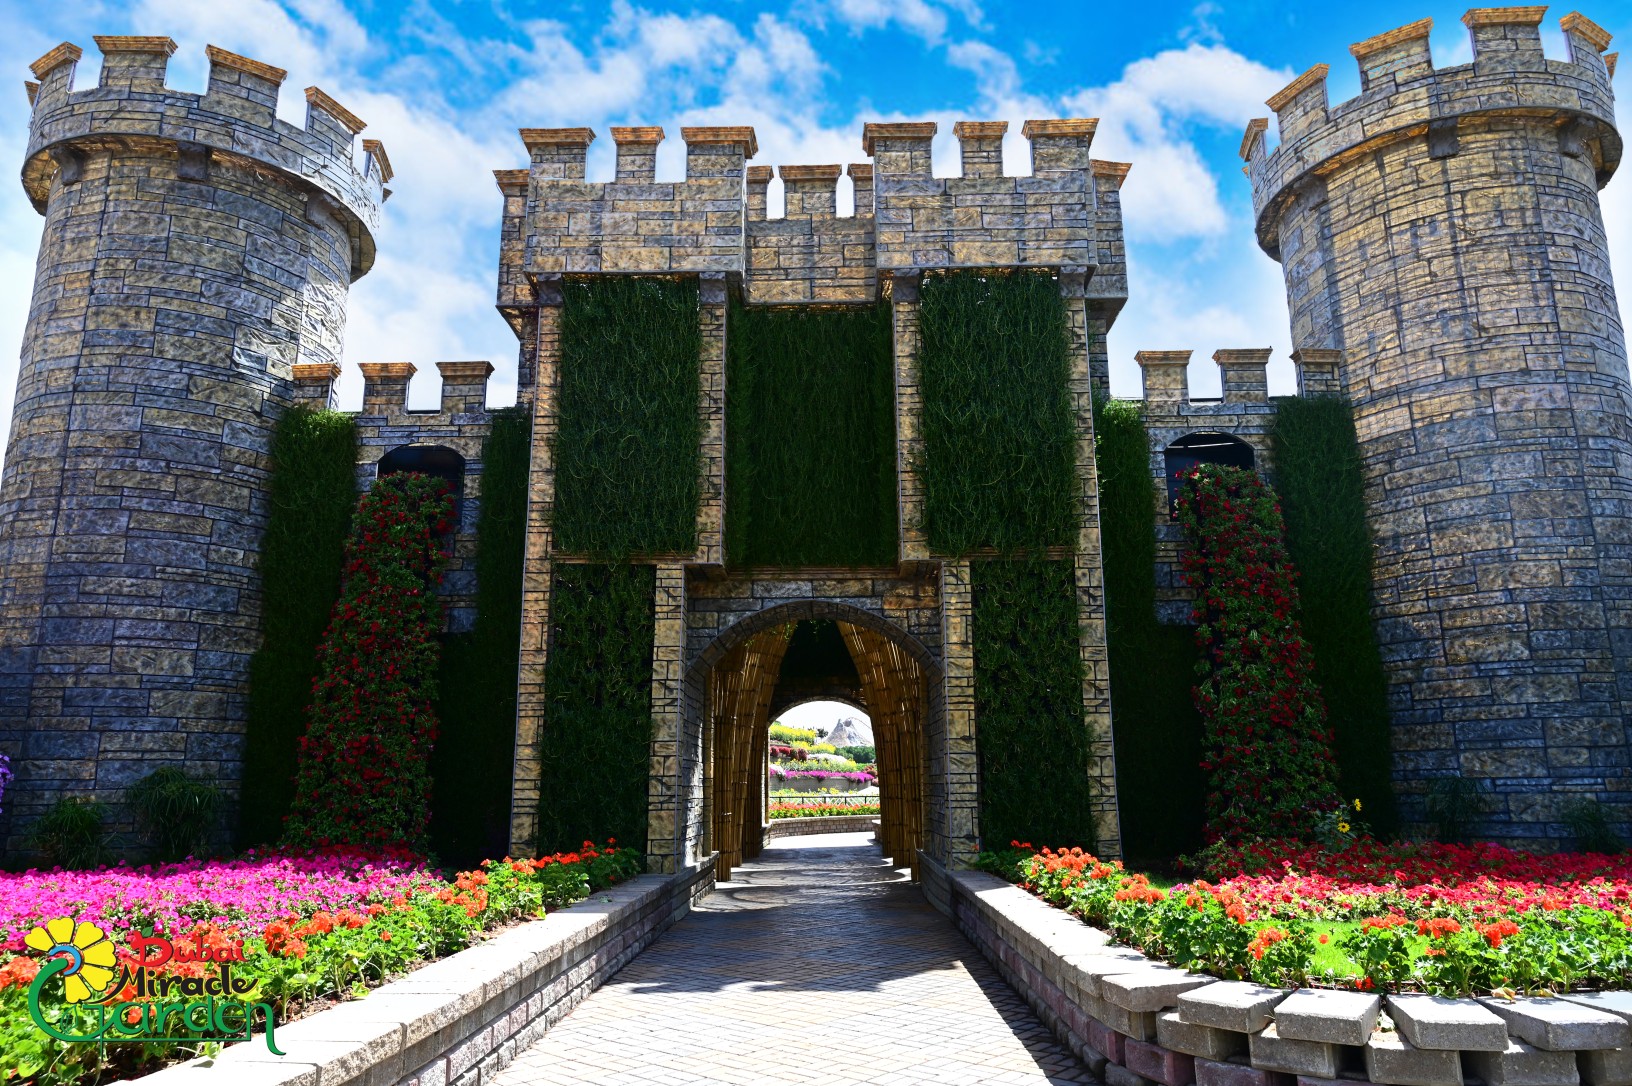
point(1135, 1021)
point(460, 1019)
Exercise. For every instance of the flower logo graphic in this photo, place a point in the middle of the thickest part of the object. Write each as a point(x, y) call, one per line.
point(86, 948)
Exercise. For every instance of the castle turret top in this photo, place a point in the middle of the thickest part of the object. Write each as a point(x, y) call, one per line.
point(1402, 95)
point(236, 115)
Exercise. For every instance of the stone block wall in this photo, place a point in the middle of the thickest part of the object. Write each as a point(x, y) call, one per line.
point(195, 250)
point(1244, 411)
point(1443, 231)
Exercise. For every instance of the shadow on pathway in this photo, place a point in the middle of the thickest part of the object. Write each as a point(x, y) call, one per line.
point(816, 963)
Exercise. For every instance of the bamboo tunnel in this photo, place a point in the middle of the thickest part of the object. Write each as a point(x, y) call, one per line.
point(740, 692)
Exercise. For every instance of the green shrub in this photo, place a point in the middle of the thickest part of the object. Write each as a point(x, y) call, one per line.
point(472, 765)
point(1319, 478)
point(70, 834)
point(1033, 741)
point(810, 436)
point(176, 811)
point(628, 447)
point(999, 460)
point(598, 686)
point(1160, 783)
point(859, 755)
point(1590, 824)
point(310, 496)
point(364, 774)
point(1454, 805)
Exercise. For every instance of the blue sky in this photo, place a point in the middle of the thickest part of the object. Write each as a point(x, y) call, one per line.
point(446, 85)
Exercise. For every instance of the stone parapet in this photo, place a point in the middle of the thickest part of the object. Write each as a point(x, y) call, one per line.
point(809, 254)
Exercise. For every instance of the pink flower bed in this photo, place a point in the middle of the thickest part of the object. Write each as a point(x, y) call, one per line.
point(250, 893)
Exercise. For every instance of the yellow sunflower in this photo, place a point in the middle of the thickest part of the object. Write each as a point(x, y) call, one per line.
point(86, 948)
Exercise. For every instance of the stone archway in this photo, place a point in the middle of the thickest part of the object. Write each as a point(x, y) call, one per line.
point(731, 686)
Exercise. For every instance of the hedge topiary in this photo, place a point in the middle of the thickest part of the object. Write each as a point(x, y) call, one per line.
point(596, 744)
point(1319, 477)
point(999, 460)
point(311, 495)
point(1032, 739)
point(810, 436)
point(1160, 783)
point(363, 776)
point(473, 764)
point(627, 451)
point(1270, 770)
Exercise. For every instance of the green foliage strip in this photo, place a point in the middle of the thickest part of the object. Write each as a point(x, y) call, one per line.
point(1322, 488)
point(1033, 741)
point(311, 494)
point(1160, 783)
point(473, 764)
point(628, 445)
point(810, 436)
point(999, 457)
point(598, 717)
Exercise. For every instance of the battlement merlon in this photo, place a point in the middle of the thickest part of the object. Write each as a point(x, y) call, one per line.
point(235, 116)
point(1405, 97)
point(1243, 378)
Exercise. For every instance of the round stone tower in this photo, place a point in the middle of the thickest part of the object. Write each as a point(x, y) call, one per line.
point(195, 250)
point(1442, 230)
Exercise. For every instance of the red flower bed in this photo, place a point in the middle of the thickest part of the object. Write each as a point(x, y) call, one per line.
point(1448, 919)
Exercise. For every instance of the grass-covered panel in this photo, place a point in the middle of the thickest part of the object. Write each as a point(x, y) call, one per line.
point(1160, 783)
point(474, 759)
point(1029, 727)
point(627, 452)
point(311, 494)
point(999, 454)
point(810, 436)
point(1322, 490)
point(598, 713)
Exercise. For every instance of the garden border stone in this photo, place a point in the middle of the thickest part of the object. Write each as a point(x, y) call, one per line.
point(797, 827)
point(460, 1019)
point(1075, 980)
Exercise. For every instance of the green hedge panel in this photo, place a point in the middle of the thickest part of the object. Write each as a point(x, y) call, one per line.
point(1322, 488)
point(999, 455)
point(473, 759)
point(1160, 783)
point(1031, 736)
point(810, 437)
point(311, 495)
point(627, 452)
point(598, 714)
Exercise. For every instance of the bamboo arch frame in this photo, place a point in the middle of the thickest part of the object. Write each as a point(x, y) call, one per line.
point(733, 682)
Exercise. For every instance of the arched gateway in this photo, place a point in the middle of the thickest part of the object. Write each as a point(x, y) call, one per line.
point(735, 681)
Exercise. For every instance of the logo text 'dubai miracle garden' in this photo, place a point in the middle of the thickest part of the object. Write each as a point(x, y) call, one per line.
point(163, 992)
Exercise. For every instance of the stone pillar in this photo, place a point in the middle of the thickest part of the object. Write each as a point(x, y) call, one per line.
point(711, 313)
point(909, 415)
point(671, 804)
point(1089, 571)
point(537, 568)
point(195, 252)
point(962, 772)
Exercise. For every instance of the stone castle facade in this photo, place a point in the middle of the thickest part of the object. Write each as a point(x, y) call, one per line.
point(1446, 269)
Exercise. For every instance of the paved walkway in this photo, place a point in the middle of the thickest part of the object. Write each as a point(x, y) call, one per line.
point(817, 964)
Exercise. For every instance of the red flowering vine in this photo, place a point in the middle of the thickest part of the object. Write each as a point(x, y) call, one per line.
point(363, 775)
point(1268, 751)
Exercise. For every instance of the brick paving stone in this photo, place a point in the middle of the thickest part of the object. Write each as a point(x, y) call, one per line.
point(816, 963)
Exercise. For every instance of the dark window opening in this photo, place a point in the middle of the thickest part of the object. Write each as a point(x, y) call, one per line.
point(1202, 447)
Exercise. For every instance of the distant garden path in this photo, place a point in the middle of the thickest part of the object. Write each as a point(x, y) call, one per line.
point(815, 963)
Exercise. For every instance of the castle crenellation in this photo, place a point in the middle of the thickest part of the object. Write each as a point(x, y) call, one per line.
point(1446, 270)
